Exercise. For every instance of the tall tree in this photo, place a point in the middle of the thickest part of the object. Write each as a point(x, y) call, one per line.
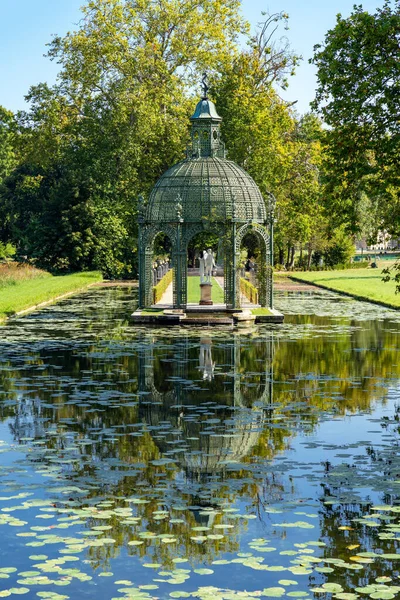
point(7, 142)
point(279, 150)
point(358, 96)
point(113, 123)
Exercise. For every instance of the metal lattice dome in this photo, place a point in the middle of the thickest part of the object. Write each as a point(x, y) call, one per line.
point(206, 187)
point(205, 192)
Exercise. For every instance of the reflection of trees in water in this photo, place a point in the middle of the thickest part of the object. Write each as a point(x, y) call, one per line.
point(139, 404)
point(108, 418)
point(348, 520)
point(345, 369)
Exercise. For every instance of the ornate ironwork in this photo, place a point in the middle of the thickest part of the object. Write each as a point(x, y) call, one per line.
point(205, 86)
point(205, 192)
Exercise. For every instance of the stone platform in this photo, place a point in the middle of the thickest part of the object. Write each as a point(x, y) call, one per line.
point(196, 315)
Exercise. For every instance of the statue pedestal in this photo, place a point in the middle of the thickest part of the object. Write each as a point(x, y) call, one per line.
point(205, 294)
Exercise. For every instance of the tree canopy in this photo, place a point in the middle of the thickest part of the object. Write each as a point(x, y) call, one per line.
point(118, 117)
point(358, 97)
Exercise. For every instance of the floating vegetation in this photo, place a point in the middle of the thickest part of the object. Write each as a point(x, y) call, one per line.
point(169, 464)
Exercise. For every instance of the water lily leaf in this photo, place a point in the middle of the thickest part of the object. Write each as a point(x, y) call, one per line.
point(332, 587)
point(203, 571)
point(135, 543)
point(273, 592)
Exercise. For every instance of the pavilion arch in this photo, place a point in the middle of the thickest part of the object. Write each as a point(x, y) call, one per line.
point(147, 237)
point(264, 274)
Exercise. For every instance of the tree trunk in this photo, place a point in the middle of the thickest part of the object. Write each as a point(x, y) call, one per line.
point(288, 256)
point(309, 257)
point(281, 256)
point(292, 253)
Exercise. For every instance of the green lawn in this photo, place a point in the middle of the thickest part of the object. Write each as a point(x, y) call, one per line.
point(361, 283)
point(193, 291)
point(26, 294)
point(261, 312)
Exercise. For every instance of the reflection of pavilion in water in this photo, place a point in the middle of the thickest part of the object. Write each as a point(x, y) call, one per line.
point(212, 395)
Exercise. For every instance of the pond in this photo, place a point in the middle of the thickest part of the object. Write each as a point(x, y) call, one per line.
point(212, 464)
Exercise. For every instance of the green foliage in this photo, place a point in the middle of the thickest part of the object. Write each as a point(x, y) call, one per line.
point(7, 143)
point(255, 119)
point(362, 264)
point(358, 97)
point(162, 286)
point(62, 221)
point(281, 151)
point(7, 250)
point(340, 249)
point(114, 122)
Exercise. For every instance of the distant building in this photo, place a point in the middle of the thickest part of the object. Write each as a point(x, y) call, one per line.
point(384, 242)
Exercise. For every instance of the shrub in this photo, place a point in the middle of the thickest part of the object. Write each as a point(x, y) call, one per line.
point(7, 250)
point(249, 290)
point(13, 272)
point(279, 267)
point(161, 287)
point(340, 249)
point(363, 264)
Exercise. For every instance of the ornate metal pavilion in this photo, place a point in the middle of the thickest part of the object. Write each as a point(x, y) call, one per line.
point(206, 192)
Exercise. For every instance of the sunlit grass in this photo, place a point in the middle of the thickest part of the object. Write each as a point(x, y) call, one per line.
point(193, 291)
point(27, 293)
point(262, 312)
point(361, 283)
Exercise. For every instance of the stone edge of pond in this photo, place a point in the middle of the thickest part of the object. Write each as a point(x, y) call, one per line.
point(342, 293)
point(158, 318)
point(54, 300)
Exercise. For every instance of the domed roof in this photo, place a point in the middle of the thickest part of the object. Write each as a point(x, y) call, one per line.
point(205, 109)
point(206, 187)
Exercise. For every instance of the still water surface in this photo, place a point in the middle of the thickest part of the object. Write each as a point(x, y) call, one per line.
point(212, 464)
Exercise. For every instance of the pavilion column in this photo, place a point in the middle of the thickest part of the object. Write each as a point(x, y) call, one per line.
point(179, 264)
point(145, 275)
point(232, 297)
point(271, 265)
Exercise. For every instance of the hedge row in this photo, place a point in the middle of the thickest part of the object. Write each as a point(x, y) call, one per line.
point(161, 287)
point(249, 290)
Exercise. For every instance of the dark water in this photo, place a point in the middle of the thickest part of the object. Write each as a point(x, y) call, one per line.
point(212, 464)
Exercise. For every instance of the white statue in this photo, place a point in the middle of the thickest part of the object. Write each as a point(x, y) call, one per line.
point(209, 264)
point(207, 365)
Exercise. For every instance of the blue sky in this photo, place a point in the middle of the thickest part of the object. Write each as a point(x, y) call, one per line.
point(27, 25)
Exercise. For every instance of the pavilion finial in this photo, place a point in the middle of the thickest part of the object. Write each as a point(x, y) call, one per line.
point(205, 86)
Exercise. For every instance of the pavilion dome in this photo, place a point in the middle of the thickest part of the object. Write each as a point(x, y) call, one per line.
point(206, 185)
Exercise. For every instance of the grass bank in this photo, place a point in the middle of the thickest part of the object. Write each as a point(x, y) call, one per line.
point(193, 291)
point(363, 284)
point(27, 293)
